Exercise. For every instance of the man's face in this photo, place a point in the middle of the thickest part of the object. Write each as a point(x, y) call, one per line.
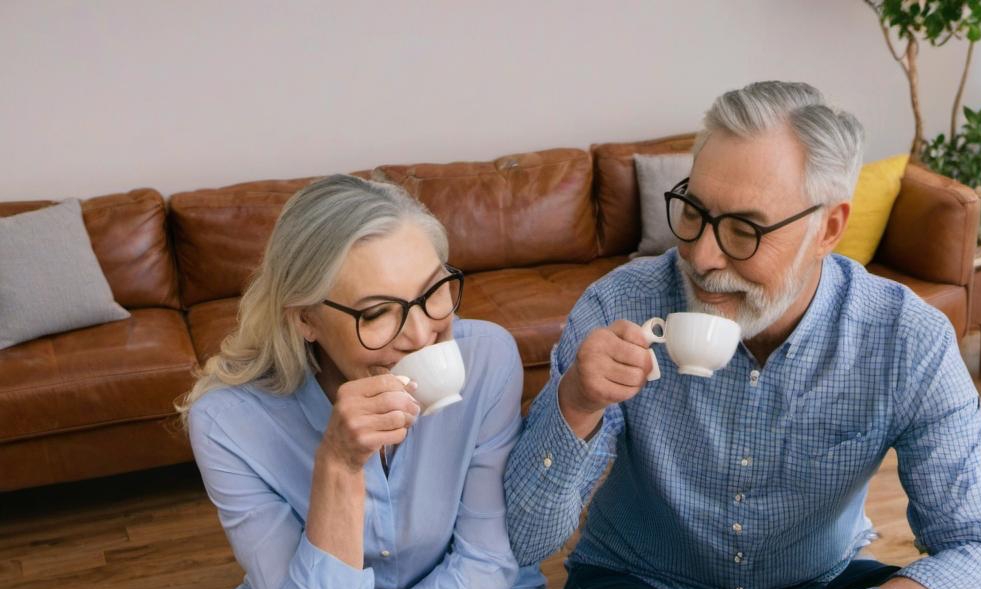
point(760, 179)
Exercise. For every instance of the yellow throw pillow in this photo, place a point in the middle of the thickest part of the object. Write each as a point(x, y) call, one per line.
point(877, 189)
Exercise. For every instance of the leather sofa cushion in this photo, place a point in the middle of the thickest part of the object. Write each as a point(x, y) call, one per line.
point(116, 372)
point(129, 238)
point(532, 303)
point(518, 210)
point(615, 189)
point(949, 298)
point(209, 323)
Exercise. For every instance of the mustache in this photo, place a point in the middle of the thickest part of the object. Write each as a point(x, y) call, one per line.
point(717, 281)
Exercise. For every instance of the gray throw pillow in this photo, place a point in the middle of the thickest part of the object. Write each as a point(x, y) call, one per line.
point(656, 174)
point(50, 279)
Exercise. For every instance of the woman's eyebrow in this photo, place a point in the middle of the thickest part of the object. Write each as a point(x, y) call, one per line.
point(379, 297)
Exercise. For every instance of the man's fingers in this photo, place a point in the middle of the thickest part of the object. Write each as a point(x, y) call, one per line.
point(630, 376)
point(631, 355)
point(630, 332)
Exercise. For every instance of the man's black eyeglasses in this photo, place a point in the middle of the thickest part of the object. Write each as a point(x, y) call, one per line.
point(738, 237)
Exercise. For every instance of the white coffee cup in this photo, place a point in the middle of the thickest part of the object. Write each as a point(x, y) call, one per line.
point(698, 343)
point(439, 372)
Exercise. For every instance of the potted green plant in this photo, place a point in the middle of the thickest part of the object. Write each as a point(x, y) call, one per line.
point(957, 154)
point(936, 22)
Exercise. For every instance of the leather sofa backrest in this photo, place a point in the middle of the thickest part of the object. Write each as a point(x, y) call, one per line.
point(129, 237)
point(616, 193)
point(517, 210)
point(220, 235)
point(930, 229)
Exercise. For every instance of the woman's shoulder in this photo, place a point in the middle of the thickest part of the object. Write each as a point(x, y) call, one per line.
point(491, 337)
point(230, 404)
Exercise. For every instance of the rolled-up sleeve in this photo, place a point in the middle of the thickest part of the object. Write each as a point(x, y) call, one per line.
point(551, 470)
point(939, 453)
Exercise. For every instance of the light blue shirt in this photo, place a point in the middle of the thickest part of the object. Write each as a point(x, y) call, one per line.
point(436, 521)
point(758, 476)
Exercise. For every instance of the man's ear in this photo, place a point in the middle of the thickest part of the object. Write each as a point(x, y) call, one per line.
point(833, 227)
point(300, 317)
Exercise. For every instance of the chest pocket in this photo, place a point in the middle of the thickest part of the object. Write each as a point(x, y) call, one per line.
point(830, 464)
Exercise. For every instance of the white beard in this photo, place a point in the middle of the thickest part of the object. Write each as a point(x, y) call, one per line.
point(758, 310)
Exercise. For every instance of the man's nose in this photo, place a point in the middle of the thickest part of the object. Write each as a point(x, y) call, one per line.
point(705, 255)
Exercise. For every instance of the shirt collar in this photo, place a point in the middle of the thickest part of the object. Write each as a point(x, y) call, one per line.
point(817, 313)
point(314, 402)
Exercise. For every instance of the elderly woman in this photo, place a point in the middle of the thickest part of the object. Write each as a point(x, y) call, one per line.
point(323, 472)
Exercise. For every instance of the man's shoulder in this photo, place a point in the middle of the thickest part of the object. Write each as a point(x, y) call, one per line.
point(872, 301)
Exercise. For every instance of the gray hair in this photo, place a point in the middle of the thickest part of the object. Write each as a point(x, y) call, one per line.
point(832, 139)
point(315, 231)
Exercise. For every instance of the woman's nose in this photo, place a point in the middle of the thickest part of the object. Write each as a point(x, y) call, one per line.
point(418, 330)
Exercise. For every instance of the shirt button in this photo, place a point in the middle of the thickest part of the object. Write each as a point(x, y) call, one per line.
point(754, 377)
point(385, 553)
point(739, 497)
point(547, 462)
point(746, 461)
point(737, 527)
point(738, 557)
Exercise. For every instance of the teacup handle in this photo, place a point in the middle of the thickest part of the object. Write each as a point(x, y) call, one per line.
point(653, 338)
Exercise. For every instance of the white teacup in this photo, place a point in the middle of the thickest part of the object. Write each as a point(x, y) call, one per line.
point(698, 343)
point(439, 372)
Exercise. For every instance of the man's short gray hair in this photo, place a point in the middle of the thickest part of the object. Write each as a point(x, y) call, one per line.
point(832, 139)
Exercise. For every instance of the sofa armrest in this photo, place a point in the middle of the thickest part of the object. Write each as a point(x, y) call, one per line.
point(932, 230)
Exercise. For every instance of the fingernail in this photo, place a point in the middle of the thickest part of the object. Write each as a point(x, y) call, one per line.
point(403, 379)
point(412, 386)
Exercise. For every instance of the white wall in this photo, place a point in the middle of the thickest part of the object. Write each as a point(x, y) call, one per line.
point(99, 96)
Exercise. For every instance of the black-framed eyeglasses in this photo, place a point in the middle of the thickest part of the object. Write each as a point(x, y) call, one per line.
point(738, 237)
point(379, 324)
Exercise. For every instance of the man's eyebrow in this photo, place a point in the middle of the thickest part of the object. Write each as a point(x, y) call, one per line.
point(379, 297)
point(754, 215)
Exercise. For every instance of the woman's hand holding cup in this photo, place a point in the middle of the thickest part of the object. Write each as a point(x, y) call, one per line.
point(611, 366)
point(369, 413)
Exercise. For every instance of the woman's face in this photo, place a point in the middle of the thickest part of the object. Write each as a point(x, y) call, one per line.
point(404, 265)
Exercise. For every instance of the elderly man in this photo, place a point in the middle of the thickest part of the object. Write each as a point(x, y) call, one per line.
point(756, 477)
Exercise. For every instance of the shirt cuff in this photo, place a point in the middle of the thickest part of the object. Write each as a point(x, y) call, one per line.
point(954, 568)
point(563, 455)
point(313, 567)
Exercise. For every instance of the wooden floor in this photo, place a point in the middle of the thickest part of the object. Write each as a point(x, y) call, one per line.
point(157, 529)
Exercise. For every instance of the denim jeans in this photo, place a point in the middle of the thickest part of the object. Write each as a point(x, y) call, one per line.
point(860, 574)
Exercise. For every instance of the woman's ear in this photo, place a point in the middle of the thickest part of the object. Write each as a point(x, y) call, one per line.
point(300, 316)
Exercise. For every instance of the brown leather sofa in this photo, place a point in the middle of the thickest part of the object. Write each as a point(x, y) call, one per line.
point(530, 230)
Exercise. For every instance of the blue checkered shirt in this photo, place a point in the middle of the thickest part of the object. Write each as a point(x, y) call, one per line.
point(758, 476)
